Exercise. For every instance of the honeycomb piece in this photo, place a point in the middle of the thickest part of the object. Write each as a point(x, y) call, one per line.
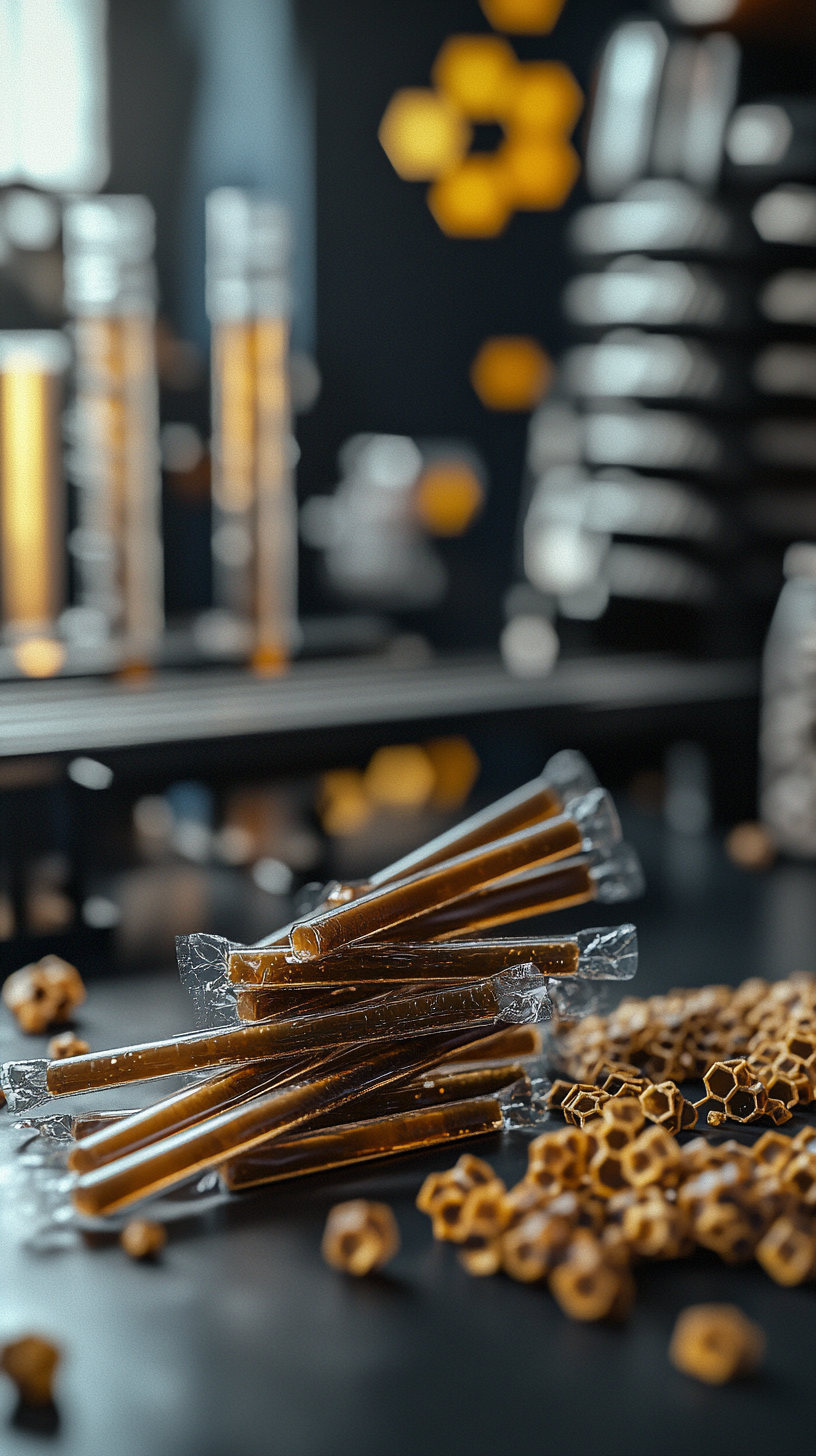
point(558, 1158)
point(779, 1087)
point(778, 1112)
point(66, 1044)
point(483, 1211)
point(716, 1343)
point(423, 134)
point(796, 1069)
point(31, 1362)
point(583, 1104)
point(446, 1214)
point(360, 1236)
point(526, 1197)
point(788, 1250)
point(481, 1256)
point(715, 1117)
point(799, 1177)
point(654, 1157)
point(656, 1229)
point(45, 992)
point(432, 1191)
point(663, 1104)
point(523, 17)
point(725, 1228)
point(586, 1285)
point(724, 1077)
point(624, 1114)
point(606, 1173)
point(532, 1248)
point(141, 1238)
point(772, 1151)
point(559, 1092)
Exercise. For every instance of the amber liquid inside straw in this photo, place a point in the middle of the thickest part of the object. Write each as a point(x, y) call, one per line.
point(511, 1041)
point(181, 1155)
point(183, 1109)
point(484, 909)
point(137, 1130)
point(318, 1151)
point(383, 963)
point(525, 806)
point(389, 906)
point(264, 1003)
point(445, 1008)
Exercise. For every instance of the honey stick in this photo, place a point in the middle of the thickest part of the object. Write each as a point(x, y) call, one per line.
point(186, 1108)
point(555, 888)
point(346, 1077)
point(171, 1114)
point(517, 994)
point(591, 824)
point(361, 1141)
point(384, 962)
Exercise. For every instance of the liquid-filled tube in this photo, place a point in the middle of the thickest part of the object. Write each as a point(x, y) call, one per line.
point(358, 1142)
point(383, 963)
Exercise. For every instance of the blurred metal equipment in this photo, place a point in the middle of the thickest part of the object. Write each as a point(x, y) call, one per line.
point(254, 541)
point(394, 492)
point(787, 738)
point(32, 499)
point(113, 431)
point(676, 449)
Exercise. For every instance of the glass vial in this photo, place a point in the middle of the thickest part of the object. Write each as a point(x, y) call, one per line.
point(254, 541)
point(110, 290)
point(32, 498)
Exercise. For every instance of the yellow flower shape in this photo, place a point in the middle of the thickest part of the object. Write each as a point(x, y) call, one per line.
point(427, 133)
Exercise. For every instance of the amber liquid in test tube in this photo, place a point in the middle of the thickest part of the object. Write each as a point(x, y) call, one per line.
point(317, 1152)
point(110, 290)
point(32, 498)
point(448, 1008)
point(392, 904)
point(254, 539)
point(347, 1078)
point(381, 963)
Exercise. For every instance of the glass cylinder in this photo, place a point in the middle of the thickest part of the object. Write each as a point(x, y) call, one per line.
point(254, 541)
point(114, 459)
point(32, 498)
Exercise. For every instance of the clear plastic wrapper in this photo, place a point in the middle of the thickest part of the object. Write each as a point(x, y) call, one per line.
point(516, 995)
point(363, 1141)
point(384, 962)
point(172, 1114)
point(591, 827)
point(388, 962)
point(344, 1078)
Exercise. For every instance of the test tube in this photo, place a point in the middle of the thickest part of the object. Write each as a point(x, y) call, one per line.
point(254, 541)
point(348, 1078)
point(517, 994)
point(32, 498)
point(592, 826)
point(113, 427)
point(358, 1142)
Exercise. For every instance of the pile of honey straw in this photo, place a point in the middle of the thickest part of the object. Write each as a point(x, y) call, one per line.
point(391, 1018)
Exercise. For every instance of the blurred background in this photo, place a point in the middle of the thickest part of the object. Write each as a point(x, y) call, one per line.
point(390, 396)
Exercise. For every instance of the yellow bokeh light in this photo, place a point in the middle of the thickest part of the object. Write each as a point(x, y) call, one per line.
point(423, 134)
point(540, 172)
point(343, 804)
point(545, 98)
point(471, 201)
point(39, 656)
point(523, 17)
point(401, 777)
point(511, 373)
point(476, 72)
point(448, 497)
point(456, 767)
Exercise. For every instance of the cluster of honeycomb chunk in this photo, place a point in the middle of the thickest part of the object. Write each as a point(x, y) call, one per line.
point(754, 1047)
point(599, 1197)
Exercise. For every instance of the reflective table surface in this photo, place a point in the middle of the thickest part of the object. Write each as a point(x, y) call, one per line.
point(239, 1340)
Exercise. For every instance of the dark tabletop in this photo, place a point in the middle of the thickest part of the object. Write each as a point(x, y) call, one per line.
point(239, 1340)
